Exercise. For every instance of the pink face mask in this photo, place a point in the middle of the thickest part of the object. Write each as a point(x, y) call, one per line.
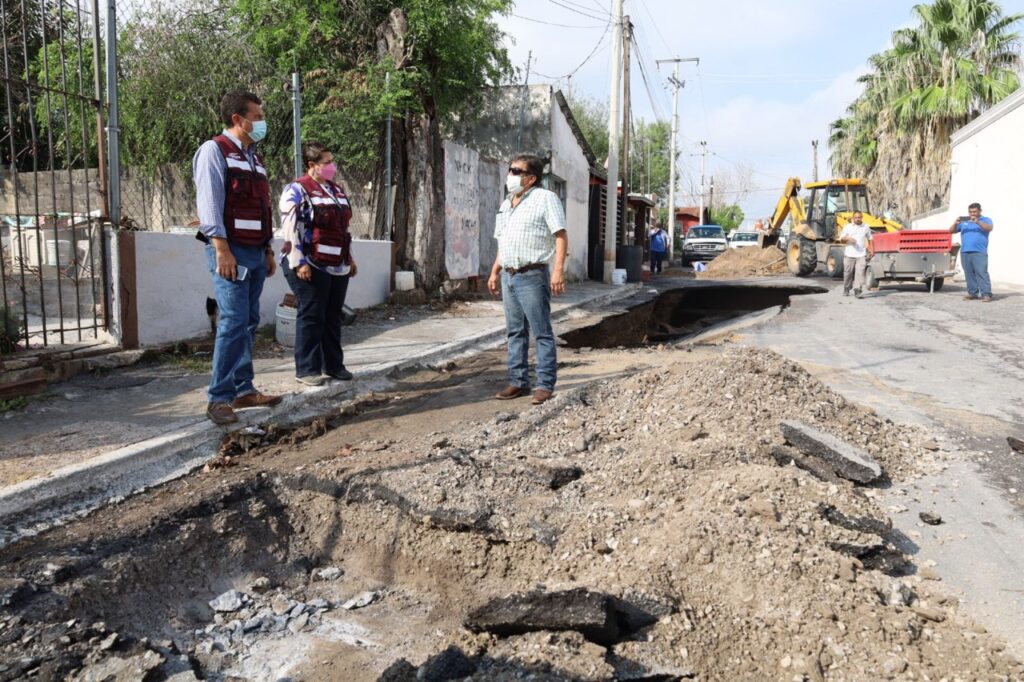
point(328, 171)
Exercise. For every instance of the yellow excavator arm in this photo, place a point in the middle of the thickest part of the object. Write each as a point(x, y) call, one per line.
point(789, 205)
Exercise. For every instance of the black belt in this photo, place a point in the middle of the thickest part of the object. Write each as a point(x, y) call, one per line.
point(526, 268)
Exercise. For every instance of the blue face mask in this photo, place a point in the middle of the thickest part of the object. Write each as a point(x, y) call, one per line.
point(259, 130)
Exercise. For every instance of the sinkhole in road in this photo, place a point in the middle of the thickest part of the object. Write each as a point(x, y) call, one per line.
point(681, 314)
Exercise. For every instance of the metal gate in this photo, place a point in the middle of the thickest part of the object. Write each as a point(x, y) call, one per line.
point(53, 197)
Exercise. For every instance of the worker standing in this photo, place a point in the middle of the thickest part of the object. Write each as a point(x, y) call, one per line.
point(659, 245)
point(974, 229)
point(857, 237)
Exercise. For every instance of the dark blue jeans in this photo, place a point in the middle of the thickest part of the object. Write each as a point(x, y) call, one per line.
point(656, 258)
point(527, 300)
point(318, 323)
point(976, 272)
point(238, 316)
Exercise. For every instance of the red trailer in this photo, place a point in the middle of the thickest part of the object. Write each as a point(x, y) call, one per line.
point(926, 256)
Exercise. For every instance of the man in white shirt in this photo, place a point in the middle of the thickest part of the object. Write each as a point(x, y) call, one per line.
point(859, 250)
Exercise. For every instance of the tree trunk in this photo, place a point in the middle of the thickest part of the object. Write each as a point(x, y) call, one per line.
point(423, 247)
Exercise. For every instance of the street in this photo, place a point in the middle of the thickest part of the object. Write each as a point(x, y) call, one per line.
point(368, 537)
point(955, 368)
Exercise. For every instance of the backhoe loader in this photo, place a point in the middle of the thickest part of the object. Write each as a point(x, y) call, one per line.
point(814, 235)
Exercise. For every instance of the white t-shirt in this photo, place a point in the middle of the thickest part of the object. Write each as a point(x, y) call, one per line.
point(861, 235)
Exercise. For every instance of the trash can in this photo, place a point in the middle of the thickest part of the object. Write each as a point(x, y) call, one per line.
point(630, 259)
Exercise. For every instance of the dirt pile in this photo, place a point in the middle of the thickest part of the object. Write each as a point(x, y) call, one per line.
point(656, 492)
point(746, 262)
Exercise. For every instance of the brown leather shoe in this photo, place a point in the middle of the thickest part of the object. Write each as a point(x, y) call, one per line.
point(541, 396)
point(512, 392)
point(256, 399)
point(221, 414)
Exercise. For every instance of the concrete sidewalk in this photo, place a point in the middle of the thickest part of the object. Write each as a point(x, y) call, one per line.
point(95, 438)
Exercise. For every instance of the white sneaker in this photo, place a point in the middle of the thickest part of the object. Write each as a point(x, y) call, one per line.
point(312, 380)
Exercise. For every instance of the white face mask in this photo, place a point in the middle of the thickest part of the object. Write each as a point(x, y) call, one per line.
point(514, 184)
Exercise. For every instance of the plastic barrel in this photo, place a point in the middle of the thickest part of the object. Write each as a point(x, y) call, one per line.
point(630, 259)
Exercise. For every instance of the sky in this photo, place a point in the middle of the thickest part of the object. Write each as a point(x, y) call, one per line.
point(772, 75)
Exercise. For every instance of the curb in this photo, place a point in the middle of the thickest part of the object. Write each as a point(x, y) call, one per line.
point(31, 506)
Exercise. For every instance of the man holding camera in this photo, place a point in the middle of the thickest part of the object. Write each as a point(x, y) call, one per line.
point(974, 229)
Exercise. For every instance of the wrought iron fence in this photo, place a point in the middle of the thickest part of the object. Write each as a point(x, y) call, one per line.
point(52, 266)
point(103, 109)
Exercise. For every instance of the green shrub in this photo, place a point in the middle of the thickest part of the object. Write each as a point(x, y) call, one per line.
point(12, 328)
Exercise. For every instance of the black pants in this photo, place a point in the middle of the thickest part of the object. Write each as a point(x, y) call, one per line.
point(656, 258)
point(318, 323)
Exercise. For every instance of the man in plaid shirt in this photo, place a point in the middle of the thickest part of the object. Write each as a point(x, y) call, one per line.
point(530, 230)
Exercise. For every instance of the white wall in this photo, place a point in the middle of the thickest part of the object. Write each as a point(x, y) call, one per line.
point(173, 284)
point(986, 162)
point(569, 163)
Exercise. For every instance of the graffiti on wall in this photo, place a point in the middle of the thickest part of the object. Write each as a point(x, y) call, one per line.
point(461, 211)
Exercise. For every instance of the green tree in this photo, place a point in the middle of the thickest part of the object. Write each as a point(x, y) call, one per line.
point(649, 157)
point(960, 59)
point(592, 116)
point(729, 217)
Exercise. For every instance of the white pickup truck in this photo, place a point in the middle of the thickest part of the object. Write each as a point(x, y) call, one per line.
point(703, 243)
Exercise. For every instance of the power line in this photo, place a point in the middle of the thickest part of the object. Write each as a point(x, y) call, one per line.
point(600, 8)
point(577, 11)
point(551, 23)
point(654, 23)
point(590, 56)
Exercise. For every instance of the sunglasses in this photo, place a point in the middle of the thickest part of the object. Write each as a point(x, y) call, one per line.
point(519, 171)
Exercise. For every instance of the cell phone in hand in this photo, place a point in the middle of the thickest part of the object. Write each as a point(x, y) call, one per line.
point(241, 272)
point(964, 219)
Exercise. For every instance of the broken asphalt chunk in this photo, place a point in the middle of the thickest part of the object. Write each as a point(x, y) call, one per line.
point(883, 558)
point(848, 461)
point(930, 519)
point(785, 456)
point(1016, 444)
point(592, 614)
point(861, 524)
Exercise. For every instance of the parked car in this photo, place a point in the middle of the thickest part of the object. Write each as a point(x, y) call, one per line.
point(742, 240)
point(703, 243)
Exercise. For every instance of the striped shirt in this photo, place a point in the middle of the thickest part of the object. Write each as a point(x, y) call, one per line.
point(297, 226)
point(210, 171)
point(526, 233)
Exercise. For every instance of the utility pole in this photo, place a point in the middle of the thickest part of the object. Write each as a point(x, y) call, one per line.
point(627, 36)
point(611, 199)
point(676, 86)
point(711, 196)
point(526, 100)
point(296, 88)
point(703, 162)
point(814, 145)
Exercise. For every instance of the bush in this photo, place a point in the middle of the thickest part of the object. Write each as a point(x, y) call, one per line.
point(12, 329)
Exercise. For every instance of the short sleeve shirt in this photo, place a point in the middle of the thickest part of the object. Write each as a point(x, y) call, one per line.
point(973, 239)
point(861, 236)
point(526, 233)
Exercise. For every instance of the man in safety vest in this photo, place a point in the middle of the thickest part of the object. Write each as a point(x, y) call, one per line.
point(233, 202)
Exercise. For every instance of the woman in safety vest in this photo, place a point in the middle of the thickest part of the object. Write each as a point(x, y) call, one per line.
point(317, 262)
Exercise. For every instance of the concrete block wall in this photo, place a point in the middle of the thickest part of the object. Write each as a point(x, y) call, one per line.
point(172, 284)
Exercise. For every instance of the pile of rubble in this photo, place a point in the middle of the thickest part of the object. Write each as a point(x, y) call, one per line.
point(714, 518)
point(746, 262)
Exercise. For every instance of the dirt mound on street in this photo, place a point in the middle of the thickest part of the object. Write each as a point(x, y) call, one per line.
point(746, 262)
point(648, 507)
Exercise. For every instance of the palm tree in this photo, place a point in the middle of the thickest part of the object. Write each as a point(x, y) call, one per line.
point(961, 58)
